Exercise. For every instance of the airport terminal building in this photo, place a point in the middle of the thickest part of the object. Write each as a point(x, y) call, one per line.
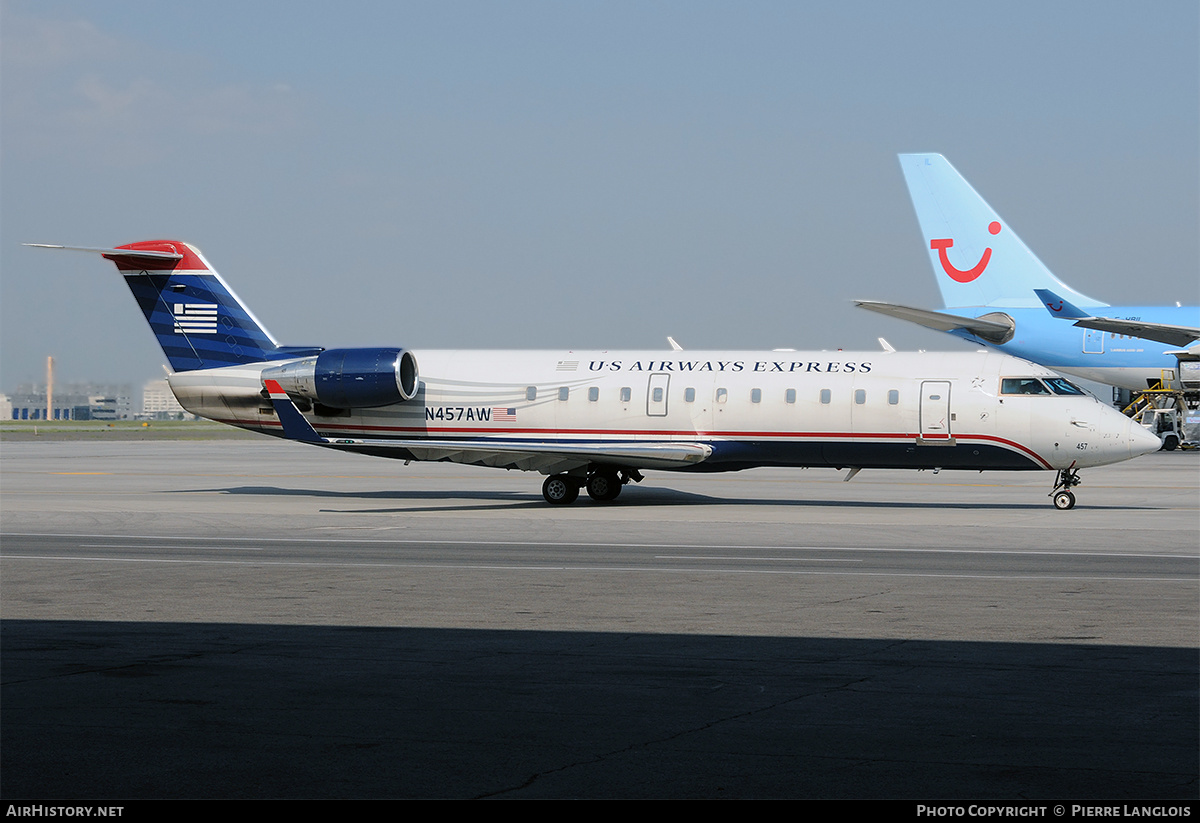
point(75, 401)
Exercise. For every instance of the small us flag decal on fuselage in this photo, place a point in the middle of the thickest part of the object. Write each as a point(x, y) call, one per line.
point(195, 318)
point(503, 414)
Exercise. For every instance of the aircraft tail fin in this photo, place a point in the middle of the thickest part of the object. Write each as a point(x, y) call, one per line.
point(198, 320)
point(977, 258)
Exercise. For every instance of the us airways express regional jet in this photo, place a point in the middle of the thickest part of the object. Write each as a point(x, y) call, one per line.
point(594, 420)
point(998, 293)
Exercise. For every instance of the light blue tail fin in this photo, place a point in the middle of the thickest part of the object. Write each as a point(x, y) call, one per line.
point(977, 258)
point(198, 320)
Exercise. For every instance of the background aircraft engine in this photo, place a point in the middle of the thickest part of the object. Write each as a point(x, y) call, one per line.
point(351, 378)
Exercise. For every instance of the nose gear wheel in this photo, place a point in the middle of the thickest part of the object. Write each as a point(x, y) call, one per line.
point(1064, 498)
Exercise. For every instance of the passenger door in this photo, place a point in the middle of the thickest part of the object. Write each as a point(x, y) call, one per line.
point(935, 410)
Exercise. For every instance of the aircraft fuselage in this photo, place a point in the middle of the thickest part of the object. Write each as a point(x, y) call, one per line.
point(840, 409)
point(1090, 354)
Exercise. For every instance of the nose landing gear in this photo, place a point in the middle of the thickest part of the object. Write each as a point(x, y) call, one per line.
point(1064, 498)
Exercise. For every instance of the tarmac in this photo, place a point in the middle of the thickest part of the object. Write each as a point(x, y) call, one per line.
point(260, 619)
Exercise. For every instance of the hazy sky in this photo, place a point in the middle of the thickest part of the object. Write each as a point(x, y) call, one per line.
point(576, 174)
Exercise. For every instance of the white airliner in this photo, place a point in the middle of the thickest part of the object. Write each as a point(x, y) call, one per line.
point(594, 420)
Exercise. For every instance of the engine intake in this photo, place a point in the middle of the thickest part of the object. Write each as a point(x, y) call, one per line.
point(351, 378)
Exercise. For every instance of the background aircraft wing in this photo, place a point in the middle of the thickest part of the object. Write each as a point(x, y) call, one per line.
point(1159, 332)
point(992, 330)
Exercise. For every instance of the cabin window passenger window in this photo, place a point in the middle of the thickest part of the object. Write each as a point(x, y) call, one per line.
point(689, 395)
point(625, 394)
point(531, 392)
point(593, 394)
point(790, 396)
point(860, 396)
point(722, 395)
point(658, 394)
point(756, 395)
point(893, 397)
point(826, 396)
point(564, 392)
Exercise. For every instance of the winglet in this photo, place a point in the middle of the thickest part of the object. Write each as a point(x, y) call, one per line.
point(295, 427)
point(1058, 307)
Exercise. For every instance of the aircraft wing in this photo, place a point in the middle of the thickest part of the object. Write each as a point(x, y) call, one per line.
point(528, 455)
point(993, 330)
point(1159, 332)
point(531, 455)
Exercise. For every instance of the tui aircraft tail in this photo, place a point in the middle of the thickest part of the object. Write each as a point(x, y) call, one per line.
point(198, 320)
point(977, 258)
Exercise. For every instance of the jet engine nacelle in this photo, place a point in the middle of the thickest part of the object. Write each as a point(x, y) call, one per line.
point(350, 378)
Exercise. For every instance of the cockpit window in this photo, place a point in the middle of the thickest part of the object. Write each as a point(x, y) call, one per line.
point(1022, 385)
point(1059, 385)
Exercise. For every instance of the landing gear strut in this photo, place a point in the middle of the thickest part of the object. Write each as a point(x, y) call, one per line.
point(1063, 497)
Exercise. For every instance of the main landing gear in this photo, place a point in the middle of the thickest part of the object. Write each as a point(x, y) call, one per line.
point(560, 489)
point(603, 484)
point(1063, 497)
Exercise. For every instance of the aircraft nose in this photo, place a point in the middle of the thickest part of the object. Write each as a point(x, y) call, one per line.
point(1141, 441)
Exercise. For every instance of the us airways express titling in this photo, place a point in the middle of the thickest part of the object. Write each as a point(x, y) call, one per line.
point(784, 366)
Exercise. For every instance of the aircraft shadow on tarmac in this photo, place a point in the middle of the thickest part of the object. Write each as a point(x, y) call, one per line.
point(164, 709)
point(631, 497)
